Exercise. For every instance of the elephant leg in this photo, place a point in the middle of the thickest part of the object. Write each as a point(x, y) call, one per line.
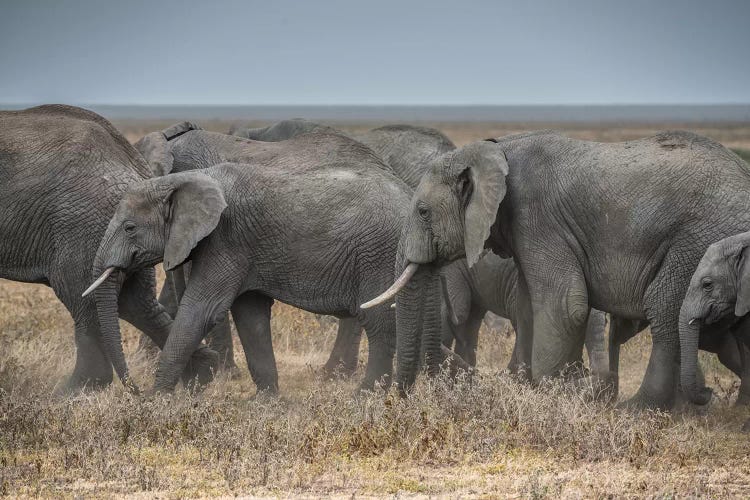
point(734, 354)
point(595, 344)
point(380, 327)
point(92, 369)
point(520, 363)
point(561, 309)
point(252, 315)
point(220, 340)
point(447, 328)
point(743, 398)
point(139, 307)
point(662, 301)
point(169, 302)
point(345, 352)
point(467, 336)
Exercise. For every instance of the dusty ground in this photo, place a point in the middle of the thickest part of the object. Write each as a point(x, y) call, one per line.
point(493, 437)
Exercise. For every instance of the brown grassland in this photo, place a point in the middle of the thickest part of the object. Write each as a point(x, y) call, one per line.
point(491, 437)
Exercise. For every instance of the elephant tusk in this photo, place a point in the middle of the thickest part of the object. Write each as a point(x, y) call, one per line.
point(98, 281)
point(692, 321)
point(394, 289)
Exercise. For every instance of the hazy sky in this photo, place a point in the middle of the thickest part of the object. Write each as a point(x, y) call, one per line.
point(375, 52)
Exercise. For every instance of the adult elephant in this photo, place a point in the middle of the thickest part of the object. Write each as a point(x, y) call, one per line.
point(282, 130)
point(492, 285)
point(62, 172)
point(618, 227)
point(407, 149)
point(313, 221)
point(403, 149)
point(713, 315)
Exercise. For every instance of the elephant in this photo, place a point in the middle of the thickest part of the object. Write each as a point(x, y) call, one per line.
point(401, 147)
point(313, 222)
point(491, 285)
point(63, 170)
point(407, 149)
point(614, 226)
point(713, 315)
point(282, 130)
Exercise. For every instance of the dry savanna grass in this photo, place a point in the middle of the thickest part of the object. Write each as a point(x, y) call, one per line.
point(486, 437)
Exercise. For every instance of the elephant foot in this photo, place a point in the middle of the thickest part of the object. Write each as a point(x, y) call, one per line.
point(76, 384)
point(265, 394)
point(201, 368)
point(645, 402)
point(601, 387)
point(233, 372)
point(338, 369)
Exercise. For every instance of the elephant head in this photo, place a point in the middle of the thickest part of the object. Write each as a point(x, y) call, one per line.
point(154, 147)
point(450, 216)
point(719, 286)
point(160, 219)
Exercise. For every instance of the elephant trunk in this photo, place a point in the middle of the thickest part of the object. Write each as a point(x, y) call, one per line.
point(689, 333)
point(106, 295)
point(417, 325)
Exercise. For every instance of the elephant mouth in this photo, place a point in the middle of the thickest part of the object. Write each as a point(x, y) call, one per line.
point(716, 312)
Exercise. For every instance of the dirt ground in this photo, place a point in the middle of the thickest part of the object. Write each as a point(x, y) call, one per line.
point(488, 437)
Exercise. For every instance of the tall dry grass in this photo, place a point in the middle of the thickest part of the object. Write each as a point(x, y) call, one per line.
point(489, 435)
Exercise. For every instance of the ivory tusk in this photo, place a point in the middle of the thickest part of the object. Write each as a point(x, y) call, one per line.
point(692, 321)
point(98, 281)
point(394, 289)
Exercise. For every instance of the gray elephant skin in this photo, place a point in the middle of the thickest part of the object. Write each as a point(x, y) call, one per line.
point(406, 149)
point(409, 151)
point(313, 222)
point(62, 172)
point(713, 315)
point(619, 227)
point(491, 285)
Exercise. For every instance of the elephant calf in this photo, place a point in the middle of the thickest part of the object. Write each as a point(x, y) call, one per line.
point(713, 316)
point(313, 222)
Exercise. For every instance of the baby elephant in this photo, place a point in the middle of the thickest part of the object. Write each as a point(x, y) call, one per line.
point(491, 285)
point(318, 231)
point(713, 316)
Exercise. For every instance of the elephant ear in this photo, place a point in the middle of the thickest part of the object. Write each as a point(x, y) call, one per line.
point(155, 148)
point(742, 305)
point(456, 291)
point(193, 210)
point(485, 172)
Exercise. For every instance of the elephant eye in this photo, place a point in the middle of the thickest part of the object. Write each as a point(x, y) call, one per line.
point(423, 211)
point(707, 284)
point(129, 227)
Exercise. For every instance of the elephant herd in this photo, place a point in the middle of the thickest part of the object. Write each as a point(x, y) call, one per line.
point(393, 231)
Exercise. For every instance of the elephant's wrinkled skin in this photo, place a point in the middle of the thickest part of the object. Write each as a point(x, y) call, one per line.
point(406, 149)
point(618, 227)
point(409, 150)
point(313, 222)
point(491, 285)
point(713, 315)
point(62, 172)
